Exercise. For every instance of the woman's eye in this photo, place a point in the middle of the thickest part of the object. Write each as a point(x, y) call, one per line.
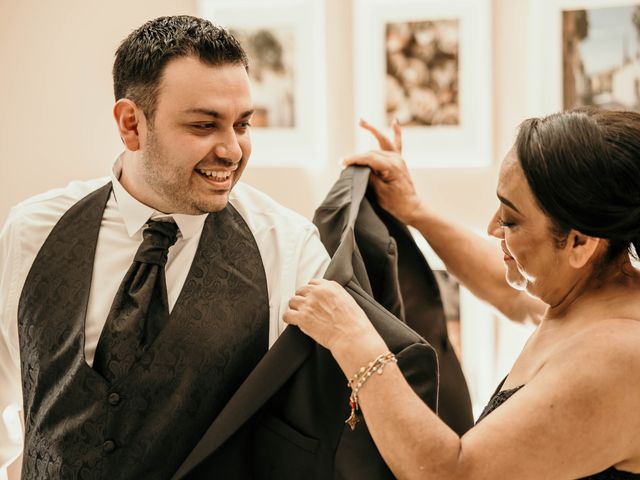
point(505, 223)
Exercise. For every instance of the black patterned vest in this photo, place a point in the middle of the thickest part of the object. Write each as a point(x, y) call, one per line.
point(143, 425)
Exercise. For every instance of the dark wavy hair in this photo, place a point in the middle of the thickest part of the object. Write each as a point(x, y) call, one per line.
point(142, 56)
point(583, 167)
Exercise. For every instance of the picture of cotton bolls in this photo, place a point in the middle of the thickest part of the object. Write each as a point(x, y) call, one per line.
point(424, 105)
point(422, 72)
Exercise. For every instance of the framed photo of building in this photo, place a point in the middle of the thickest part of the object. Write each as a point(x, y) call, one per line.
point(426, 63)
point(284, 41)
point(588, 52)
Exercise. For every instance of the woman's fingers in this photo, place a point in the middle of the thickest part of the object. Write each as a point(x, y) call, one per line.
point(397, 135)
point(296, 302)
point(303, 290)
point(307, 289)
point(327, 313)
point(383, 142)
point(384, 165)
point(292, 317)
point(309, 292)
point(374, 159)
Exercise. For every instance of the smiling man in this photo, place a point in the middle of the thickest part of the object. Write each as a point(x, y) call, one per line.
point(196, 144)
point(134, 306)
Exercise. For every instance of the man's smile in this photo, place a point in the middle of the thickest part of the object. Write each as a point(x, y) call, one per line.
point(217, 175)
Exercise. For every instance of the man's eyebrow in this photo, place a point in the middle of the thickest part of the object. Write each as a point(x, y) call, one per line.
point(204, 111)
point(214, 114)
point(508, 203)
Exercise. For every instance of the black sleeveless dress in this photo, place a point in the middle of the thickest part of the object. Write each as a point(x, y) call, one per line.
point(501, 396)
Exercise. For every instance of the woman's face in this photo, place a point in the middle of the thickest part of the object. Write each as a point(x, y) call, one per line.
point(533, 261)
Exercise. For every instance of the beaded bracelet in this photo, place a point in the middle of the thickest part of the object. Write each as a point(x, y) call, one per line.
point(361, 376)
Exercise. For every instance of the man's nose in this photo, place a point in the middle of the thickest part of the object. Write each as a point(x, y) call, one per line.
point(228, 147)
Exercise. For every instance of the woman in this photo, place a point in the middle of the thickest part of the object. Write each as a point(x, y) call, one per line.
point(569, 193)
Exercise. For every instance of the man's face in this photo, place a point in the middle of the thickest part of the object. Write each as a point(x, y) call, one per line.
point(198, 145)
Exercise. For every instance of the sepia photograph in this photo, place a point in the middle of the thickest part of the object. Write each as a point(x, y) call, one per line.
point(427, 64)
point(284, 44)
point(271, 53)
point(601, 57)
point(422, 72)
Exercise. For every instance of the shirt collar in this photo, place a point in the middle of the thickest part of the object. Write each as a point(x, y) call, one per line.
point(136, 214)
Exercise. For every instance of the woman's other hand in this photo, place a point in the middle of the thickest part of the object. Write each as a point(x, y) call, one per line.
point(325, 311)
point(390, 180)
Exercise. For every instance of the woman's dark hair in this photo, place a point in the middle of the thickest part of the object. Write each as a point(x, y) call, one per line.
point(583, 167)
point(142, 56)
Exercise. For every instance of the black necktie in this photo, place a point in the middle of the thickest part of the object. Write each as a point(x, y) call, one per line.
point(140, 308)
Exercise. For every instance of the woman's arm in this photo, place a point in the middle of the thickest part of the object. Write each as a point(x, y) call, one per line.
point(474, 260)
point(574, 418)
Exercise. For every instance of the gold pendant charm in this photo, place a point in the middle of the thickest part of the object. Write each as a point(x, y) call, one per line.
point(352, 420)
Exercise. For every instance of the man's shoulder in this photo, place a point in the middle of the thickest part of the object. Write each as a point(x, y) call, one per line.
point(46, 208)
point(262, 211)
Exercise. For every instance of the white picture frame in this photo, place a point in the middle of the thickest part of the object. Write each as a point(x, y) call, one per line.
point(303, 144)
point(469, 142)
point(545, 46)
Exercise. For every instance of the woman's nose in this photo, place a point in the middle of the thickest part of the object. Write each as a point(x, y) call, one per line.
point(494, 228)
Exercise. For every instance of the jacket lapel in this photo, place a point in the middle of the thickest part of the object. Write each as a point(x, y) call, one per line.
point(276, 367)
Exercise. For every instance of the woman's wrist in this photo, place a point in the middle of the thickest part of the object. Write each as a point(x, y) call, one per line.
point(423, 217)
point(418, 213)
point(354, 352)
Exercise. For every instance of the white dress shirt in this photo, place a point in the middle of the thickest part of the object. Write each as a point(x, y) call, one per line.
point(289, 244)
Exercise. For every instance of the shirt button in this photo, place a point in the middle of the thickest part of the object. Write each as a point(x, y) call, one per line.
point(108, 446)
point(114, 399)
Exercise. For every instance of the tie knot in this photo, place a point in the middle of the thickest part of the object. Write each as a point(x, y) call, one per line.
point(157, 237)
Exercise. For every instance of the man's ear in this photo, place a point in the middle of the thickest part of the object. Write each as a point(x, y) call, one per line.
point(128, 118)
point(582, 248)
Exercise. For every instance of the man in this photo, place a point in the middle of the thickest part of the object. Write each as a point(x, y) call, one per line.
point(117, 373)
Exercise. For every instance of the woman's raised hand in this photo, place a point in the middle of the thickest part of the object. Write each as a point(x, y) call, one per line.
point(390, 180)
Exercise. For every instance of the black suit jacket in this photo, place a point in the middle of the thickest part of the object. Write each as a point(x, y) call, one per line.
point(286, 421)
point(397, 275)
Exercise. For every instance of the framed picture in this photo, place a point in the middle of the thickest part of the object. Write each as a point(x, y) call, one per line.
point(428, 64)
point(284, 43)
point(588, 53)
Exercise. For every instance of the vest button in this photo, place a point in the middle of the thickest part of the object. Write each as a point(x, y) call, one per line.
point(108, 446)
point(114, 399)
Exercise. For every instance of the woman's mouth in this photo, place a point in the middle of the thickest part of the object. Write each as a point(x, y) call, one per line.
point(506, 257)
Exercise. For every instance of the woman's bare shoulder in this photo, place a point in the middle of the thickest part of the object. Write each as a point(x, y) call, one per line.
point(606, 350)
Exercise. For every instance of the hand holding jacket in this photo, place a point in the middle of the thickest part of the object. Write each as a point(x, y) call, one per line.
point(325, 311)
point(391, 180)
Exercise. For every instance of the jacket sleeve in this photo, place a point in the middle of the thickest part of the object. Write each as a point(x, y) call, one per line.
point(357, 455)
